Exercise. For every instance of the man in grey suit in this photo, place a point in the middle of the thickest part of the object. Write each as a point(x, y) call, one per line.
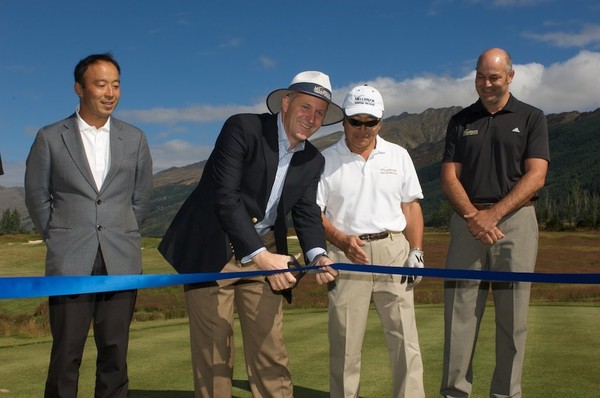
point(88, 185)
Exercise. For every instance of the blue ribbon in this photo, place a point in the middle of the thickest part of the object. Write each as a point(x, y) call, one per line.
point(496, 276)
point(39, 286)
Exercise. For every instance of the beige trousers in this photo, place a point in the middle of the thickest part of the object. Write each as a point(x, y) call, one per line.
point(211, 316)
point(349, 301)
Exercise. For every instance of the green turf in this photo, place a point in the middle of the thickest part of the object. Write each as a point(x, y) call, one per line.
point(562, 359)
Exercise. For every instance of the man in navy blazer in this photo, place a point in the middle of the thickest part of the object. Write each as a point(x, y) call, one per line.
point(88, 184)
point(262, 169)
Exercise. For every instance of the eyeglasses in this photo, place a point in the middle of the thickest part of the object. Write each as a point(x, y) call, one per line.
point(368, 124)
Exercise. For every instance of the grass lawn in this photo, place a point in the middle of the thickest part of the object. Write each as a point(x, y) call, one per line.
point(562, 359)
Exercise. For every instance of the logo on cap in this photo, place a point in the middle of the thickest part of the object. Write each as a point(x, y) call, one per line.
point(322, 91)
point(364, 100)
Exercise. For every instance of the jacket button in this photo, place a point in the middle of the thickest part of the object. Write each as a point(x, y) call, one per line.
point(99, 227)
point(99, 202)
point(254, 220)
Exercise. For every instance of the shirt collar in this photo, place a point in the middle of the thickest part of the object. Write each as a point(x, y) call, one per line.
point(83, 126)
point(342, 147)
point(509, 107)
point(282, 137)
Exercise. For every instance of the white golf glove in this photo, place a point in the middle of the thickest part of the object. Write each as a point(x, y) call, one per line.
point(414, 260)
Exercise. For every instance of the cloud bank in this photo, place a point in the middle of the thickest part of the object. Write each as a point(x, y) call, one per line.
point(560, 87)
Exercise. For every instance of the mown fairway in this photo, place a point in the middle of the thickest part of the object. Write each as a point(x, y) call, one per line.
point(562, 360)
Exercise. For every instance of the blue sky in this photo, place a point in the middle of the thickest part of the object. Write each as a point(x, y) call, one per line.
point(188, 65)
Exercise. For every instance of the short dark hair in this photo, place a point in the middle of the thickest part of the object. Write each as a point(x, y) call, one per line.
point(85, 63)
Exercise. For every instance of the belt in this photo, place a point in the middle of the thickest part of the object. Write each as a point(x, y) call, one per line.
point(372, 237)
point(485, 206)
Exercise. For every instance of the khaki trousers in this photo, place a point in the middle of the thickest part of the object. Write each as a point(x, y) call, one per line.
point(210, 310)
point(349, 301)
point(465, 301)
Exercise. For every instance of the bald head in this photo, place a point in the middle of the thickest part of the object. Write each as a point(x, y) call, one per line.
point(496, 56)
point(493, 76)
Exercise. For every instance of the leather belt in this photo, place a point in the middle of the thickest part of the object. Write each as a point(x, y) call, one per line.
point(485, 206)
point(372, 237)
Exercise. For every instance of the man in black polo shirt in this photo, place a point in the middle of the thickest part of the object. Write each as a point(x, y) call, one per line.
point(495, 162)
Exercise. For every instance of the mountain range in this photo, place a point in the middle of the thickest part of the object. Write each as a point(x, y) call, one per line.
point(574, 148)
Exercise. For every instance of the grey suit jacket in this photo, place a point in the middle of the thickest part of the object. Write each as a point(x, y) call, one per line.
point(73, 216)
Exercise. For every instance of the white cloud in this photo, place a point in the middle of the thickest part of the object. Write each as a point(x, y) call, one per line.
point(517, 3)
point(267, 62)
point(416, 94)
point(564, 86)
point(177, 153)
point(589, 35)
point(194, 114)
point(560, 87)
point(567, 86)
point(231, 43)
point(509, 3)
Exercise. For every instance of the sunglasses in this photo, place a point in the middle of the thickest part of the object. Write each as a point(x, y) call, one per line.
point(368, 124)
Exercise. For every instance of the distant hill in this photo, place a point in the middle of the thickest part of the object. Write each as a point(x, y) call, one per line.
point(171, 187)
point(422, 134)
point(574, 149)
point(574, 144)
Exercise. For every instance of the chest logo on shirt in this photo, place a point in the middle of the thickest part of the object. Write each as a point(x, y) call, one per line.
point(468, 132)
point(388, 171)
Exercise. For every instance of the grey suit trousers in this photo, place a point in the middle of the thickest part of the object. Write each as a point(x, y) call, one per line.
point(465, 301)
point(70, 318)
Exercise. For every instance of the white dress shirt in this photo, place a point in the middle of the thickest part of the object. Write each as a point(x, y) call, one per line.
point(96, 143)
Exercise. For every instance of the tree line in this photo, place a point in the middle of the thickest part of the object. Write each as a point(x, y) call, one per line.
point(556, 209)
point(10, 223)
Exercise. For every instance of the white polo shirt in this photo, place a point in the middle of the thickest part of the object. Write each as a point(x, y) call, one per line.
point(363, 196)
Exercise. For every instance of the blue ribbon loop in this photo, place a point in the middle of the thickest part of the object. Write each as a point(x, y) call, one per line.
point(39, 286)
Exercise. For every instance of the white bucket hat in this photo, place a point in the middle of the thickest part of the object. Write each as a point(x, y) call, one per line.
point(312, 83)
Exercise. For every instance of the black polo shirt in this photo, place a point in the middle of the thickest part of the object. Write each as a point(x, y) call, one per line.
point(492, 148)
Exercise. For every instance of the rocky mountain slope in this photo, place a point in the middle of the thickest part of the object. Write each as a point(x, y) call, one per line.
point(574, 143)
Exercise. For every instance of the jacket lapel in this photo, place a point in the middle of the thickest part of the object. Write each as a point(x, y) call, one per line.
point(116, 152)
point(72, 139)
point(271, 153)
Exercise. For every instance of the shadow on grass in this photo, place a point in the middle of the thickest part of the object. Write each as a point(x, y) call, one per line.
point(299, 392)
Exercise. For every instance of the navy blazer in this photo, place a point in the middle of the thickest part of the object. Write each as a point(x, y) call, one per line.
point(217, 220)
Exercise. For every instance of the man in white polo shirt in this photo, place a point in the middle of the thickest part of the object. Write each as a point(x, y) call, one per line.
point(369, 195)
